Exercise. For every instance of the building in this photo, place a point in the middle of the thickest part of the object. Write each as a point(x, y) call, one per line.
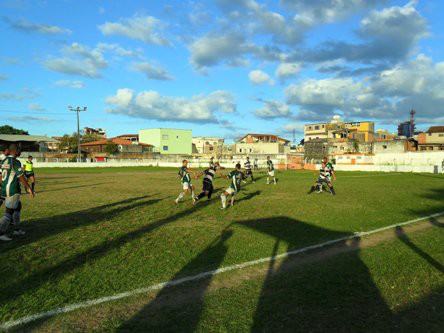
point(384, 135)
point(94, 131)
point(362, 131)
point(129, 137)
point(395, 146)
point(208, 145)
point(315, 131)
point(262, 144)
point(353, 159)
point(433, 139)
point(123, 146)
point(29, 143)
point(168, 140)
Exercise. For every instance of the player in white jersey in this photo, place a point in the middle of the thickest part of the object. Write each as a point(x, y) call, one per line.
point(248, 171)
point(324, 177)
point(208, 188)
point(270, 173)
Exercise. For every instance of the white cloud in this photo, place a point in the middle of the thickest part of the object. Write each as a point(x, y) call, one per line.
point(386, 96)
point(273, 109)
point(27, 26)
point(78, 59)
point(147, 29)
point(119, 50)
point(36, 107)
point(287, 70)
point(210, 50)
point(259, 77)
point(70, 84)
point(152, 105)
point(152, 72)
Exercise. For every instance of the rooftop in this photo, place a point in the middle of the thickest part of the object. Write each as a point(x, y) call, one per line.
point(26, 138)
point(436, 129)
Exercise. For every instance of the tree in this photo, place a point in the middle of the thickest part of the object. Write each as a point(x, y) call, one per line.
point(301, 143)
point(111, 148)
point(85, 138)
point(69, 143)
point(6, 129)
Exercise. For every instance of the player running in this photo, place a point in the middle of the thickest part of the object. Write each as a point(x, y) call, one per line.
point(270, 173)
point(211, 163)
point(248, 171)
point(208, 188)
point(236, 176)
point(324, 177)
point(12, 176)
point(29, 172)
point(185, 177)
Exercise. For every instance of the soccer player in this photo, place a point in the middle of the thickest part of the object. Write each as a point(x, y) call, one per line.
point(324, 177)
point(248, 171)
point(29, 172)
point(211, 164)
point(235, 176)
point(255, 165)
point(270, 171)
point(184, 174)
point(12, 176)
point(208, 188)
point(2, 157)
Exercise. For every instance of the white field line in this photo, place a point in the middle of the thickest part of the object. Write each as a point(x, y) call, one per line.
point(72, 307)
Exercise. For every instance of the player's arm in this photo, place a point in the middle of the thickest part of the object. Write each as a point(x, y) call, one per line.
point(23, 180)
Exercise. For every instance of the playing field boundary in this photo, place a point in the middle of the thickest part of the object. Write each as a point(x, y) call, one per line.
point(72, 307)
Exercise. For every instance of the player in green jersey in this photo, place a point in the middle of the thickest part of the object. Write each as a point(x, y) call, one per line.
point(270, 171)
point(235, 176)
point(12, 176)
point(185, 178)
point(2, 157)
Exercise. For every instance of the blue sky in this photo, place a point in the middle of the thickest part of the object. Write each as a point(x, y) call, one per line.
point(221, 68)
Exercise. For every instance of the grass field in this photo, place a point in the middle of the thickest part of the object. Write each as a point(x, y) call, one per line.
point(100, 232)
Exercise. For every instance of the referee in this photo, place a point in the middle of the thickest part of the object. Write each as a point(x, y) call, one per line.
point(29, 172)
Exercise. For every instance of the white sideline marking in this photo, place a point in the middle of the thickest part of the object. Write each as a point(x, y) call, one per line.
point(72, 307)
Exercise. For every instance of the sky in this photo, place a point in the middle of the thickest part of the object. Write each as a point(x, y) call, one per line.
point(222, 68)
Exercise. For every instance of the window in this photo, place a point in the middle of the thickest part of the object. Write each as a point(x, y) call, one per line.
point(164, 136)
point(316, 127)
point(323, 126)
point(211, 148)
point(310, 128)
point(359, 157)
point(165, 148)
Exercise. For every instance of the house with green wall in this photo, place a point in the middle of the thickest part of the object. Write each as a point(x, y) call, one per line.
point(168, 140)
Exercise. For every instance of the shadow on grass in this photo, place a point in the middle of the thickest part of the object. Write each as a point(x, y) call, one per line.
point(37, 229)
point(152, 317)
point(17, 287)
point(403, 238)
point(334, 296)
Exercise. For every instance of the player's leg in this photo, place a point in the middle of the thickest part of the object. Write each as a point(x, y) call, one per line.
point(16, 220)
point(185, 186)
point(332, 190)
point(252, 178)
point(193, 196)
point(32, 180)
point(268, 177)
point(4, 224)
point(210, 192)
point(232, 199)
point(224, 196)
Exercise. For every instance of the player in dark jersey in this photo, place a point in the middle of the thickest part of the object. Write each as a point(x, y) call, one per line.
point(248, 171)
point(211, 163)
point(270, 172)
point(207, 189)
point(235, 176)
point(324, 177)
point(185, 178)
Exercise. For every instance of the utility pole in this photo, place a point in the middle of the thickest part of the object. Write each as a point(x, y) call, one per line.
point(77, 110)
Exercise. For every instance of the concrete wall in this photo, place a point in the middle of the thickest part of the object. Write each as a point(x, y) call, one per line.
point(261, 148)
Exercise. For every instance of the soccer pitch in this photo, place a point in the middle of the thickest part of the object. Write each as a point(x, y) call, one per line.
point(96, 233)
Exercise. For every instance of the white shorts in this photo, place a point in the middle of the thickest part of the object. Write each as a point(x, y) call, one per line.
point(12, 202)
point(230, 191)
point(271, 173)
point(186, 185)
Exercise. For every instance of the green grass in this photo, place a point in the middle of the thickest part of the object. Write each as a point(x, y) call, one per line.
point(97, 232)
